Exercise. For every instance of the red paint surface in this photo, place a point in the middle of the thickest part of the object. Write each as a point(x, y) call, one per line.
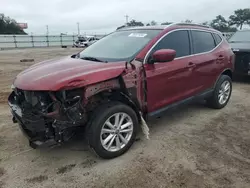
point(164, 55)
point(66, 73)
point(185, 77)
point(166, 82)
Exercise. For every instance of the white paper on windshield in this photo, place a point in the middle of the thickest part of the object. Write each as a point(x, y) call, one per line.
point(138, 35)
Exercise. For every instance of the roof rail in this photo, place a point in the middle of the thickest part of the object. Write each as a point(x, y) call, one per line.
point(193, 24)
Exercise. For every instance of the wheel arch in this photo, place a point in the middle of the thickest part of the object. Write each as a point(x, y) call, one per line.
point(227, 72)
point(113, 90)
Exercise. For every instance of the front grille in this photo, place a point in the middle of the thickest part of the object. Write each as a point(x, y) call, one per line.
point(242, 60)
point(30, 97)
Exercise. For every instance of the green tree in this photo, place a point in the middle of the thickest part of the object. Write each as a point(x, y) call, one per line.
point(206, 23)
point(166, 23)
point(131, 24)
point(9, 26)
point(135, 23)
point(153, 22)
point(188, 21)
point(221, 24)
point(240, 17)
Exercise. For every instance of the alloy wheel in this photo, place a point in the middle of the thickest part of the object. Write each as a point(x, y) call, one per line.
point(116, 132)
point(224, 92)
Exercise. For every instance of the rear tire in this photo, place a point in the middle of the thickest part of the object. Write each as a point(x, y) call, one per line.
point(222, 93)
point(113, 129)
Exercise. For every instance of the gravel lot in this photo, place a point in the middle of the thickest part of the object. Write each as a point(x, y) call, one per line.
point(193, 146)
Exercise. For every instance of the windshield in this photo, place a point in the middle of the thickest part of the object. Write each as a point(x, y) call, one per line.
point(120, 45)
point(240, 36)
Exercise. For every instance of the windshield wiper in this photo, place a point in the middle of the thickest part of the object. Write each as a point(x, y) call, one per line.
point(92, 59)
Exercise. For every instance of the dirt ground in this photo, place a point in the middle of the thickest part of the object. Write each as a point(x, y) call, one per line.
point(193, 146)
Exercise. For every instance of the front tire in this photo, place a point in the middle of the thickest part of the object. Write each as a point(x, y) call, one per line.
point(222, 93)
point(113, 129)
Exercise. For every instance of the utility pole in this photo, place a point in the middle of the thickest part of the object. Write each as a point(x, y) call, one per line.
point(126, 16)
point(78, 28)
point(47, 29)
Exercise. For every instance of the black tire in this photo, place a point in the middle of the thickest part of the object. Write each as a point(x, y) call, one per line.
point(99, 117)
point(213, 101)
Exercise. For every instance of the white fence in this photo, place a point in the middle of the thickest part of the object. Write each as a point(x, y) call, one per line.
point(29, 41)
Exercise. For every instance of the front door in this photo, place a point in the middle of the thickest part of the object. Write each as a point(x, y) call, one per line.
point(170, 81)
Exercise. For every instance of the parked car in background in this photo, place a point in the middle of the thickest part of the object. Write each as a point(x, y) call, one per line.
point(78, 42)
point(90, 40)
point(109, 88)
point(240, 44)
point(85, 41)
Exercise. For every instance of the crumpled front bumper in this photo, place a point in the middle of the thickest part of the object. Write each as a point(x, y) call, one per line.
point(33, 129)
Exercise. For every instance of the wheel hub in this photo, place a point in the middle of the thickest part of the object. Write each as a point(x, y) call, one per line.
point(224, 92)
point(116, 132)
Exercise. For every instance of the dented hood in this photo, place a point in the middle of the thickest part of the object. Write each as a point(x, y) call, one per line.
point(66, 73)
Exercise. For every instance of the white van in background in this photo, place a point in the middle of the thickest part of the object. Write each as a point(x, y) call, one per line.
point(85, 41)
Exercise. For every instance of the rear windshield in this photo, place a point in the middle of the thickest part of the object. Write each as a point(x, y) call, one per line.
point(240, 36)
point(120, 45)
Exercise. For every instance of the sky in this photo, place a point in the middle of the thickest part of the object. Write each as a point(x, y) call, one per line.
point(104, 16)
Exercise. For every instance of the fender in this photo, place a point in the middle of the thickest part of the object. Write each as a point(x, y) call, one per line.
point(222, 72)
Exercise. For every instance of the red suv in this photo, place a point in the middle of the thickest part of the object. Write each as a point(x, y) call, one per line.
point(109, 88)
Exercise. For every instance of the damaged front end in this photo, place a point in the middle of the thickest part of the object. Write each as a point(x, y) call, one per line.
point(47, 117)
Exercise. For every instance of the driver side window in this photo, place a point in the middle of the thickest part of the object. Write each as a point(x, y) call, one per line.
point(177, 40)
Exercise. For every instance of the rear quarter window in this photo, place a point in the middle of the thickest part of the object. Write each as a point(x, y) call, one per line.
point(202, 41)
point(217, 38)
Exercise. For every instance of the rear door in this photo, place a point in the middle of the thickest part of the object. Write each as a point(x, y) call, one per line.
point(205, 60)
point(170, 81)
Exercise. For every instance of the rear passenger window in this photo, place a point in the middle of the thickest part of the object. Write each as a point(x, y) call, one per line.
point(202, 41)
point(218, 39)
point(177, 40)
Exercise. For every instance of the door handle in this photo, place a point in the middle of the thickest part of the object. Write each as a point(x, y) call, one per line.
point(191, 64)
point(221, 57)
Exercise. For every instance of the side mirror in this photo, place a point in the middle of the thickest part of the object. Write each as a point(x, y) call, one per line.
point(164, 55)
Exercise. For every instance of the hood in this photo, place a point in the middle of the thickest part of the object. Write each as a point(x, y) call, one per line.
point(240, 46)
point(66, 72)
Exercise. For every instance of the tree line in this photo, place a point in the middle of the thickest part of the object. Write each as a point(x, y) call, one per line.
point(9, 26)
point(236, 21)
